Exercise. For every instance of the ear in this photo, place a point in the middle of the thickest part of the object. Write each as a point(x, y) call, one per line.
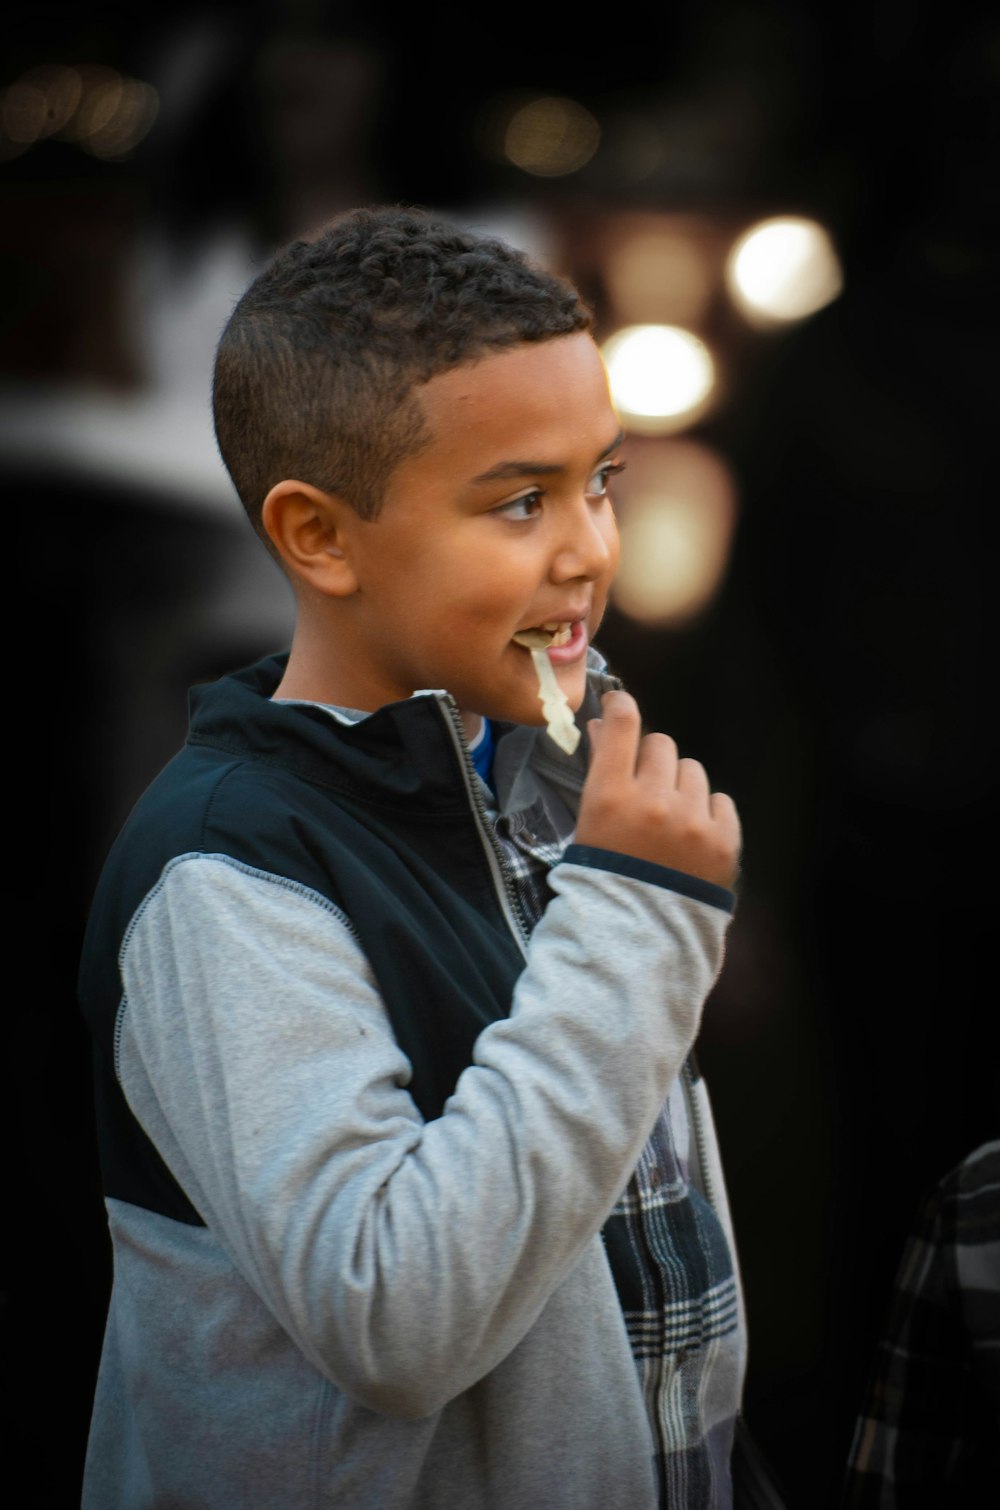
point(310, 530)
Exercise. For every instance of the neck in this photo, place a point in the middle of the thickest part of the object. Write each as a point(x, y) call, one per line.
point(313, 676)
point(320, 666)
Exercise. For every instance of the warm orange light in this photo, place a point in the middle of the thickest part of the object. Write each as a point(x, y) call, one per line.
point(783, 270)
point(660, 272)
point(93, 106)
point(677, 506)
point(662, 378)
point(551, 136)
point(119, 114)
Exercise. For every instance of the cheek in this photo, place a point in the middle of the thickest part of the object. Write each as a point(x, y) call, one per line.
point(489, 586)
point(473, 607)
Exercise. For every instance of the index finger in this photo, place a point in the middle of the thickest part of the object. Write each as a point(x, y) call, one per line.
point(614, 738)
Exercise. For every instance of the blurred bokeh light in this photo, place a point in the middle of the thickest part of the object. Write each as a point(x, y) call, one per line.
point(115, 117)
point(93, 106)
point(39, 103)
point(551, 136)
point(783, 270)
point(658, 268)
point(662, 377)
point(677, 515)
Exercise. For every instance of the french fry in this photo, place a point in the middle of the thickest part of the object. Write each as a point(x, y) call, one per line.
point(559, 723)
point(558, 713)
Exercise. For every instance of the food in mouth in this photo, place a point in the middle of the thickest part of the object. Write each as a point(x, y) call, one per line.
point(541, 639)
point(559, 724)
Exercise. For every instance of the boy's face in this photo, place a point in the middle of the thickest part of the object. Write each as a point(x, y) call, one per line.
point(502, 523)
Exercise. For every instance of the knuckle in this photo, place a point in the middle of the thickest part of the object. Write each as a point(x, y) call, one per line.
point(694, 833)
point(598, 808)
point(658, 811)
point(620, 707)
point(691, 767)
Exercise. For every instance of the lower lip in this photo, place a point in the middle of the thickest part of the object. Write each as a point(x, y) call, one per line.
point(574, 648)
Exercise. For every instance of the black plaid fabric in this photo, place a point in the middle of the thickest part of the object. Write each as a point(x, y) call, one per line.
point(929, 1434)
point(666, 1248)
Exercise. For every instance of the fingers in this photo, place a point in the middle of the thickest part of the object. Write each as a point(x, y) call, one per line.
point(693, 781)
point(641, 799)
point(726, 817)
point(619, 748)
point(657, 760)
point(614, 737)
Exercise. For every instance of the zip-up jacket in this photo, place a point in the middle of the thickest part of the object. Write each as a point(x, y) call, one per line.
point(359, 1137)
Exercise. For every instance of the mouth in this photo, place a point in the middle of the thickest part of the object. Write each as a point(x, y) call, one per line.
point(545, 636)
point(564, 641)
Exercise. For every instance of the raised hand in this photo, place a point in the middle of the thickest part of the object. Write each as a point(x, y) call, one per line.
point(641, 799)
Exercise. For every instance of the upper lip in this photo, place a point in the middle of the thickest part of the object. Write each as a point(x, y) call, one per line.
point(572, 616)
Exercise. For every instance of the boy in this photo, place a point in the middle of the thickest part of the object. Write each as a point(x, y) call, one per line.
point(367, 1104)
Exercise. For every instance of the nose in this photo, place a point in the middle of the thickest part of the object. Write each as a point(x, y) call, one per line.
point(588, 545)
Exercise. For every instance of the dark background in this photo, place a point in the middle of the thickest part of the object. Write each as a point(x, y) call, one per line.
point(839, 685)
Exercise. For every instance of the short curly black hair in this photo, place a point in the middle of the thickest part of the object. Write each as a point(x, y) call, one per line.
point(316, 370)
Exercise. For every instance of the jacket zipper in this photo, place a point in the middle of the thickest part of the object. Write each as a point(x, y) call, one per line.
point(502, 882)
point(698, 1129)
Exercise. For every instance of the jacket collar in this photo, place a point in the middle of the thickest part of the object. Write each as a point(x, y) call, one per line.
point(402, 754)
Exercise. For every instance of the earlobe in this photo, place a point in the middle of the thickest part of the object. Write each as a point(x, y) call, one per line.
point(308, 529)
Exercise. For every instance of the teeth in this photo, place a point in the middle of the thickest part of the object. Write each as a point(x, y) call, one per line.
point(556, 633)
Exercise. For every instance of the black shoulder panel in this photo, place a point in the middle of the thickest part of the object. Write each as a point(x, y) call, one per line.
point(373, 817)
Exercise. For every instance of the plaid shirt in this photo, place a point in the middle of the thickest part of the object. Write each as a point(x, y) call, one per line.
point(929, 1434)
point(666, 1248)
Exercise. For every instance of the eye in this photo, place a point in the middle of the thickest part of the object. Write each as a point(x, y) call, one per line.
point(526, 507)
point(597, 487)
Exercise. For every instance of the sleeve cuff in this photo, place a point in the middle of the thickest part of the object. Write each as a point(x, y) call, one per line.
point(656, 875)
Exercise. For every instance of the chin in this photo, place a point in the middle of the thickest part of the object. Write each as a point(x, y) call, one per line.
point(577, 691)
point(522, 705)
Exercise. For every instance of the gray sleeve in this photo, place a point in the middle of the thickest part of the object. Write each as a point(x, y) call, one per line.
point(405, 1259)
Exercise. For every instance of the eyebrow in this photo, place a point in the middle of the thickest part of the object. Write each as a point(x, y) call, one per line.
point(506, 469)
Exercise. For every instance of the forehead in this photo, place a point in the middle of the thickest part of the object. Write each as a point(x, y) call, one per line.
point(546, 399)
